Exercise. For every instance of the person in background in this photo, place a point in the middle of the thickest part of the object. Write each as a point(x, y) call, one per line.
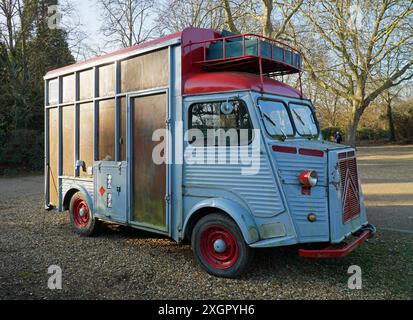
point(338, 138)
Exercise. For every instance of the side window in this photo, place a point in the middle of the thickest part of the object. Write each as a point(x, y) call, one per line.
point(220, 123)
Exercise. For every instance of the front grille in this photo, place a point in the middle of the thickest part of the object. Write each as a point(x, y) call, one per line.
point(349, 189)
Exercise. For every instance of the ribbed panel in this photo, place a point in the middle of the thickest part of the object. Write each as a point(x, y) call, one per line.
point(301, 207)
point(290, 168)
point(68, 183)
point(259, 191)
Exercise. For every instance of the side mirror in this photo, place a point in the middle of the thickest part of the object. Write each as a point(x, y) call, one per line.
point(227, 108)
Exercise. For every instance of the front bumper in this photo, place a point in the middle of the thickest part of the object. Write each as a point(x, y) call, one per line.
point(341, 250)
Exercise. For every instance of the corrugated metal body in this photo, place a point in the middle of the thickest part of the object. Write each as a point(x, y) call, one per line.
point(259, 192)
point(69, 183)
point(290, 166)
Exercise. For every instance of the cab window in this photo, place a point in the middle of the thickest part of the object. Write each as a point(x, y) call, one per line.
point(304, 120)
point(276, 119)
point(221, 123)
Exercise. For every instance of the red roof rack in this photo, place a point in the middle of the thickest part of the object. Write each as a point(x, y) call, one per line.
point(248, 53)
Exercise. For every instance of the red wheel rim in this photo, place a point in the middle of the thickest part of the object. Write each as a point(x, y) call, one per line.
point(81, 213)
point(219, 236)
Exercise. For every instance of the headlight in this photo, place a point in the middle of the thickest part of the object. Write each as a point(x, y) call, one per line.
point(308, 178)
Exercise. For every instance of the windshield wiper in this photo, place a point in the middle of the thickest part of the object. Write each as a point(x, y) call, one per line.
point(301, 120)
point(267, 116)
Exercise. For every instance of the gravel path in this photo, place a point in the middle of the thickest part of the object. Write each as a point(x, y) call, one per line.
point(124, 263)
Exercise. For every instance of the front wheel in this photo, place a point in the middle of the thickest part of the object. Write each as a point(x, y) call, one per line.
point(81, 216)
point(219, 246)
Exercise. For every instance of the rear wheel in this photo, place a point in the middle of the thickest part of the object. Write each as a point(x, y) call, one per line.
point(81, 216)
point(219, 246)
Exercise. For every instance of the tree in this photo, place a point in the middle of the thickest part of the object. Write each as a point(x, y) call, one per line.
point(125, 22)
point(358, 40)
point(263, 12)
point(176, 15)
point(28, 50)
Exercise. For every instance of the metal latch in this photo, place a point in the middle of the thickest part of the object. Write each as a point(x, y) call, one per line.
point(168, 198)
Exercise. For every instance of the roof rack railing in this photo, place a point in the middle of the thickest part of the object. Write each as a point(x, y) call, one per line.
point(249, 53)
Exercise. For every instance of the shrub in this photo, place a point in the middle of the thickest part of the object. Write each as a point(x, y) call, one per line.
point(329, 133)
point(403, 124)
point(22, 149)
point(373, 134)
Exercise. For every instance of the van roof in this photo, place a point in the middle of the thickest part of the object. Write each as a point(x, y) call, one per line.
point(113, 56)
point(210, 82)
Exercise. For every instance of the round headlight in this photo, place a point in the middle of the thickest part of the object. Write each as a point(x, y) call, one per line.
point(309, 178)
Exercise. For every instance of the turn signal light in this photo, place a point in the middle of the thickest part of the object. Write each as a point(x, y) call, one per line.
point(308, 178)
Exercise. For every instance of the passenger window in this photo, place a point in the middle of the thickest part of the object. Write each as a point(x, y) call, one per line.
point(221, 123)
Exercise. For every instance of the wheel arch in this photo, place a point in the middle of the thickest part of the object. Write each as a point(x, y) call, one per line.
point(71, 191)
point(240, 215)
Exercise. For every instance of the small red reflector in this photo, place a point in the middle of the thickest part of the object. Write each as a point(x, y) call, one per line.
point(342, 155)
point(284, 149)
point(306, 191)
point(102, 191)
point(311, 152)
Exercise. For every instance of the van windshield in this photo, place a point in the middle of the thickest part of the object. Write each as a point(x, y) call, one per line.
point(304, 120)
point(276, 119)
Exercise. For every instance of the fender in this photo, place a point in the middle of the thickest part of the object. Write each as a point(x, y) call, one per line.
point(83, 190)
point(238, 213)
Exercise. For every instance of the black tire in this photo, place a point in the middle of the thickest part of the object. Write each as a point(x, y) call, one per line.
point(80, 225)
point(230, 263)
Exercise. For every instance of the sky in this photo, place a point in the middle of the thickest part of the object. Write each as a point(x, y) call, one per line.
point(88, 14)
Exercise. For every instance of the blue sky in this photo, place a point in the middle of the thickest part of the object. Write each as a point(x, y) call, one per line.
point(89, 14)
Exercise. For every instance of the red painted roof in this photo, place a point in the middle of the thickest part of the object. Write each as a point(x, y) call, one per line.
point(209, 82)
point(111, 56)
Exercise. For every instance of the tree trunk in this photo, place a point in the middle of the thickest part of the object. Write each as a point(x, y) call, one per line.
point(352, 127)
point(229, 19)
point(267, 23)
point(390, 121)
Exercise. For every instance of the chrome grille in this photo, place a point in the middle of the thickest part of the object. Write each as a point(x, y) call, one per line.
point(349, 189)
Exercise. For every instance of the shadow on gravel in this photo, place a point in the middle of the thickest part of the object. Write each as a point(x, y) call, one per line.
point(114, 231)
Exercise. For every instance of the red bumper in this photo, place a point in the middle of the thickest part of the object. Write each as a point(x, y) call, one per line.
point(334, 252)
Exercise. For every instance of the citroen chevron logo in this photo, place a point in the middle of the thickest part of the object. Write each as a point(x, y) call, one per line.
point(350, 186)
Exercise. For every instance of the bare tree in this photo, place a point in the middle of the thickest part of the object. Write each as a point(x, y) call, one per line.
point(126, 22)
point(264, 12)
point(357, 39)
point(9, 21)
point(176, 15)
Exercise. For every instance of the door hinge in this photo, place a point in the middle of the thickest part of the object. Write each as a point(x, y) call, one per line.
point(168, 198)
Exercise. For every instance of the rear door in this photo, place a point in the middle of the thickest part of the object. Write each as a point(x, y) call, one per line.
point(149, 187)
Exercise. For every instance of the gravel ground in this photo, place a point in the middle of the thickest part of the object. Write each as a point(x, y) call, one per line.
point(124, 263)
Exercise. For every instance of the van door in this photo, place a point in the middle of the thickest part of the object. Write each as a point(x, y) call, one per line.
point(147, 113)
